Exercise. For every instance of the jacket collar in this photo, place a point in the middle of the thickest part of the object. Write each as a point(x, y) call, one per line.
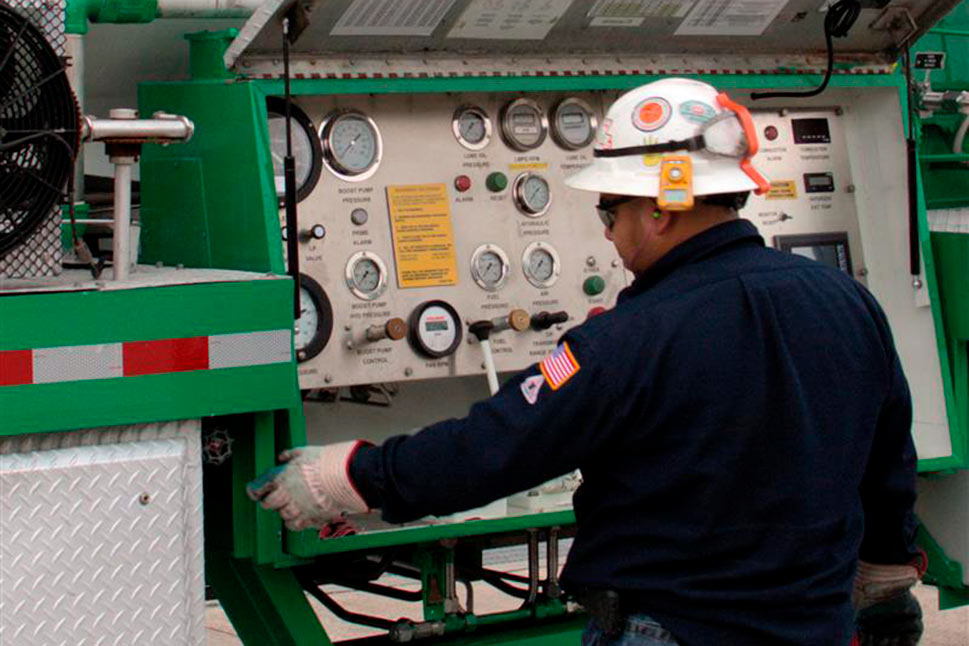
point(704, 244)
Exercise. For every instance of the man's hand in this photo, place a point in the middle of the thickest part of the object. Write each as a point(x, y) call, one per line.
point(886, 613)
point(312, 487)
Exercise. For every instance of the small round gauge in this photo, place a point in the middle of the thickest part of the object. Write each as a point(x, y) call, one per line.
point(489, 267)
point(573, 124)
point(366, 275)
point(532, 194)
point(315, 323)
point(307, 152)
point(541, 264)
point(471, 127)
point(351, 145)
point(523, 124)
point(435, 329)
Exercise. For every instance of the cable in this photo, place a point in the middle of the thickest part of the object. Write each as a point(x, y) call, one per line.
point(839, 20)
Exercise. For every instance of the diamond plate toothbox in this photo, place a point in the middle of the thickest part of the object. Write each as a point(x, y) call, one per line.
point(101, 537)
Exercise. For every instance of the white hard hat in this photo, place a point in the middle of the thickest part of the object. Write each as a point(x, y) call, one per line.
point(667, 116)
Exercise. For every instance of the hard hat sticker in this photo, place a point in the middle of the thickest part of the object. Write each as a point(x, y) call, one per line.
point(652, 114)
point(604, 136)
point(697, 112)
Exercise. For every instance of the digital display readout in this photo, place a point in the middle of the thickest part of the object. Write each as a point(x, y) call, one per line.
point(819, 182)
point(811, 131)
point(523, 118)
point(435, 326)
point(830, 249)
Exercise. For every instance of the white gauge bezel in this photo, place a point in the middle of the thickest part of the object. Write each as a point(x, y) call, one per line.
point(352, 283)
point(518, 194)
point(329, 157)
point(505, 267)
point(507, 132)
point(556, 264)
point(456, 127)
point(557, 134)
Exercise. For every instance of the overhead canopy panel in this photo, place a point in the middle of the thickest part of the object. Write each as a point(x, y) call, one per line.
point(340, 29)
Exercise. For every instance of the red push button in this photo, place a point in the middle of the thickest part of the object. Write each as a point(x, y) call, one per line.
point(595, 311)
point(462, 183)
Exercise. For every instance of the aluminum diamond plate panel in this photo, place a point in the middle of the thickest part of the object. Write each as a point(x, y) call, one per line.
point(100, 537)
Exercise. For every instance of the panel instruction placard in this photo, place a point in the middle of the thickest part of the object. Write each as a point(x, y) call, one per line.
point(509, 19)
point(730, 17)
point(420, 222)
point(391, 17)
point(632, 13)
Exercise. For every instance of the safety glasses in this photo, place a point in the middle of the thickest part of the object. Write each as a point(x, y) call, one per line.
point(607, 209)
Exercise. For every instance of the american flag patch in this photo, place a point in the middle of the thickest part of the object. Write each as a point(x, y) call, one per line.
point(559, 366)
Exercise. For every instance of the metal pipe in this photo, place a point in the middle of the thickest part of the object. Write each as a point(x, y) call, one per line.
point(532, 568)
point(207, 8)
point(161, 126)
point(75, 74)
point(552, 589)
point(489, 362)
point(122, 216)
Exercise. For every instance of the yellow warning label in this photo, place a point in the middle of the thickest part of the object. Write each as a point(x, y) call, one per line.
point(783, 190)
point(423, 241)
point(528, 166)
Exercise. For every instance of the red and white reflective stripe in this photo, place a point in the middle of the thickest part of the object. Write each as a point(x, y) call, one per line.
point(135, 358)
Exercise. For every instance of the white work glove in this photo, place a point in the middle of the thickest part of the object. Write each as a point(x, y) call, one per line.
point(878, 583)
point(312, 488)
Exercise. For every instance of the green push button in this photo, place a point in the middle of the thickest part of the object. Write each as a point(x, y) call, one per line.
point(496, 182)
point(594, 285)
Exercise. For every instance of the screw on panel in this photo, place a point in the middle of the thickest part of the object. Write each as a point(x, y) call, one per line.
point(863, 271)
point(349, 345)
point(347, 328)
point(839, 111)
point(408, 372)
point(590, 261)
point(328, 378)
point(850, 188)
point(483, 367)
point(917, 283)
point(144, 498)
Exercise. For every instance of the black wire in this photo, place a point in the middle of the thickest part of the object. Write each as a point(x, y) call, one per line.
point(839, 20)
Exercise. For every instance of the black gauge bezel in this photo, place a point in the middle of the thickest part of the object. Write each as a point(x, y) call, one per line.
point(277, 106)
point(413, 333)
point(324, 311)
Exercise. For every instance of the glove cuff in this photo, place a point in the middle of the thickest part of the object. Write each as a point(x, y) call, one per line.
point(876, 583)
point(330, 479)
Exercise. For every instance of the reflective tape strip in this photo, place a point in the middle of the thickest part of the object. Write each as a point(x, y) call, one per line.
point(249, 349)
point(77, 363)
point(136, 358)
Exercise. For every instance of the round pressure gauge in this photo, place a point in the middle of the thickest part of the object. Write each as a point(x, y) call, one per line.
point(523, 124)
point(351, 145)
point(471, 127)
point(307, 152)
point(366, 275)
point(541, 264)
point(315, 323)
point(573, 124)
point(532, 194)
point(489, 267)
point(435, 329)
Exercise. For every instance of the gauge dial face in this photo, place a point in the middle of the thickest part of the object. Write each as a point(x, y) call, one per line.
point(532, 194)
point(435, 329)
point(574, 124)
point(523, 124)
point(315, 323)
point(489, 267)
point(366, 275)
point(472, 127)
point(351, 145)
point(541, 265)
point(306, 148)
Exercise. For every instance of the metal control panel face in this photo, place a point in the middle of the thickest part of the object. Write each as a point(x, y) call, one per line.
point(444, 210)
point(810, 209)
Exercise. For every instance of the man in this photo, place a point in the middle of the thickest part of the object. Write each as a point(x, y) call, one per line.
point(740, 417)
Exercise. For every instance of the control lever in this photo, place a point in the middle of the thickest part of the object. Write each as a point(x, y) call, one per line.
point(517, 320)
point(395, 329)
point(545, 320)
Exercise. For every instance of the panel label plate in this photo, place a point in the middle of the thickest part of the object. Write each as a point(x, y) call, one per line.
point(420, 222)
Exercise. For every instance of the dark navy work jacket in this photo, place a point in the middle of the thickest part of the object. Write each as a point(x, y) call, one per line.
point(742, 425)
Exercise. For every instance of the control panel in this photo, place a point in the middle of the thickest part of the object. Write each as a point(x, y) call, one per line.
point(423, 215)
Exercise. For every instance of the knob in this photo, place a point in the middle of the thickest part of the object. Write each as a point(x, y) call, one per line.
point(316, 232)
point(395, 329)
point(545, 320)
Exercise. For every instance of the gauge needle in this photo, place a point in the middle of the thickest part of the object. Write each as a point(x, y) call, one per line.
point(532, 195)
point(350, 145)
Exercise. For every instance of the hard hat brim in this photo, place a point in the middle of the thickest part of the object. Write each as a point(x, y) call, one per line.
point(629, 176)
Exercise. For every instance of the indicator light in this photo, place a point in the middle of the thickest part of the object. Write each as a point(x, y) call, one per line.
point(770, 133)
point(462, 183)
point(496, 182)
point(594, 285)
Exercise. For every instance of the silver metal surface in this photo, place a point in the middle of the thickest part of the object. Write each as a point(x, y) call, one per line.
point(161, 127)
point(485, 121)
point(101, 537)
point(479, 278)
point(541, 247)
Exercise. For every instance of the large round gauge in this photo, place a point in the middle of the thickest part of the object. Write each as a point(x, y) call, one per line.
point(307, 152)
point(315, 323)
point(471, 127)
point(489, 267)
point(435, 329)
point(573, 124)
point(366, 275)
point(523, 124)
point(351, 145)
point(532, 194)
point(541, 264)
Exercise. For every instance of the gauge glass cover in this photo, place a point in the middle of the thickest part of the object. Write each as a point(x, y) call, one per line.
point(532, 194)
point(308, 323)
point(437, 329)
point(366, 275)
point(351, 145)
point(541, 264)
point(524, 125)
point(489, 267)
point(574, 124)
